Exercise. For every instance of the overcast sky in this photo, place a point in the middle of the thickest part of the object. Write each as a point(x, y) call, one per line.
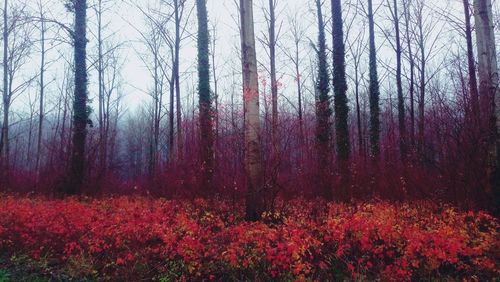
point(125, 22)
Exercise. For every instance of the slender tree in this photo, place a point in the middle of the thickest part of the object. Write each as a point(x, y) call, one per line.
point(419, 15)
point(178, 13)
point(411, 60)
point(80, 110)
point(205, 101)
point(399, 83)
point(253, 166)
point(473, 90)
point(17, 46)
point(489, 90)
point(41, 113)
point(297, 32)
point(357, 48)
point(323, 111)
point(271, 42)
point(374, 88)
point(4, 148)
point(340, 92)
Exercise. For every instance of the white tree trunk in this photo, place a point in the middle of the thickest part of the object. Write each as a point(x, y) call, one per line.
point(253, 167)
point(489, 91)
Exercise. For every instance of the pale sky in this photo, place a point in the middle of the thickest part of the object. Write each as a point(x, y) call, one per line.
point(125, 18)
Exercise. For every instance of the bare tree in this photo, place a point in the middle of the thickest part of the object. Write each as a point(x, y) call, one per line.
point(397, 46)
point(17, 46)
point(296, 56)
point(80, 110)
point(270, 40)
point(489, 89)
point(356, 46)
point(473, 90)
point(253, 167)
point(411, 60)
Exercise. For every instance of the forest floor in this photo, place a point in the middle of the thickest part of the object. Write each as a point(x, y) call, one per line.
point(136, 238)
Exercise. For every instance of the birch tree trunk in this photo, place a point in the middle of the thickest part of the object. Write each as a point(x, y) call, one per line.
point(253, 166)
point(489, 91)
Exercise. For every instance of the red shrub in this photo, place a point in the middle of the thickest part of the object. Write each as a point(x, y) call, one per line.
point(126, 238)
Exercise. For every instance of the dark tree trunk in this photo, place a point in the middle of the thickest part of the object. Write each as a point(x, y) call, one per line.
point(4, 145)
point(323, 111)
point(401, 102)
point(374, 88)
point(412, 72)
point(80, 111)
point(205, 101)
point(473, 90)
point(340, 96)
point(177, 76)
point(274, 81)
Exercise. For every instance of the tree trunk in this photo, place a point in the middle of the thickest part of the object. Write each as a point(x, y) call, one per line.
point(401, 102)
point(340, 97)
point(412, 72)
point(4, 148)
point(274, 81)
point(41, 113)
point(80, 114)
point(205, 103)
point(374, 88)
point(323, 111)
point(299, 93)
point(473, 90)
point(177, 79)
point(421, 100)
point(253, 166)
point(489, 91)
point(100, 71)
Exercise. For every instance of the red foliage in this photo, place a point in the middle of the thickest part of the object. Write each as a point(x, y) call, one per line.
point(127, 238)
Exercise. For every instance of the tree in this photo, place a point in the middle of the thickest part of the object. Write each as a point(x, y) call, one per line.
point(340, 90)
point(411, 60)
point(270, 40)
point(399, 82)
point(15, 56)
point(178, 14)
point(374, 88)
point(43, 30)
point(323, 111)
point(253, 166)
point(357, 48)
point(80, 110)
point(294, 54)
point(4, 148)
point(205, 101)
point(489, 89)
point(473, 90)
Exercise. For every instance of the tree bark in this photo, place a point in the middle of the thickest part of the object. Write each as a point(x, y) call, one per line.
point(205, 101)
point(41, 113)
point(340, 97)
point(80, 114)
point(374, 88)
point(177, 78)
point(473, 90)
point(323, 111)
point(274, 81)
point(253, 166)
point(401, 102)
point(489, 91)
point(412, 72)
point(4, 148)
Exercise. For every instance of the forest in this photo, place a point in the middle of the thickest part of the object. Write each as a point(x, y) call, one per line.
point(250, 140)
